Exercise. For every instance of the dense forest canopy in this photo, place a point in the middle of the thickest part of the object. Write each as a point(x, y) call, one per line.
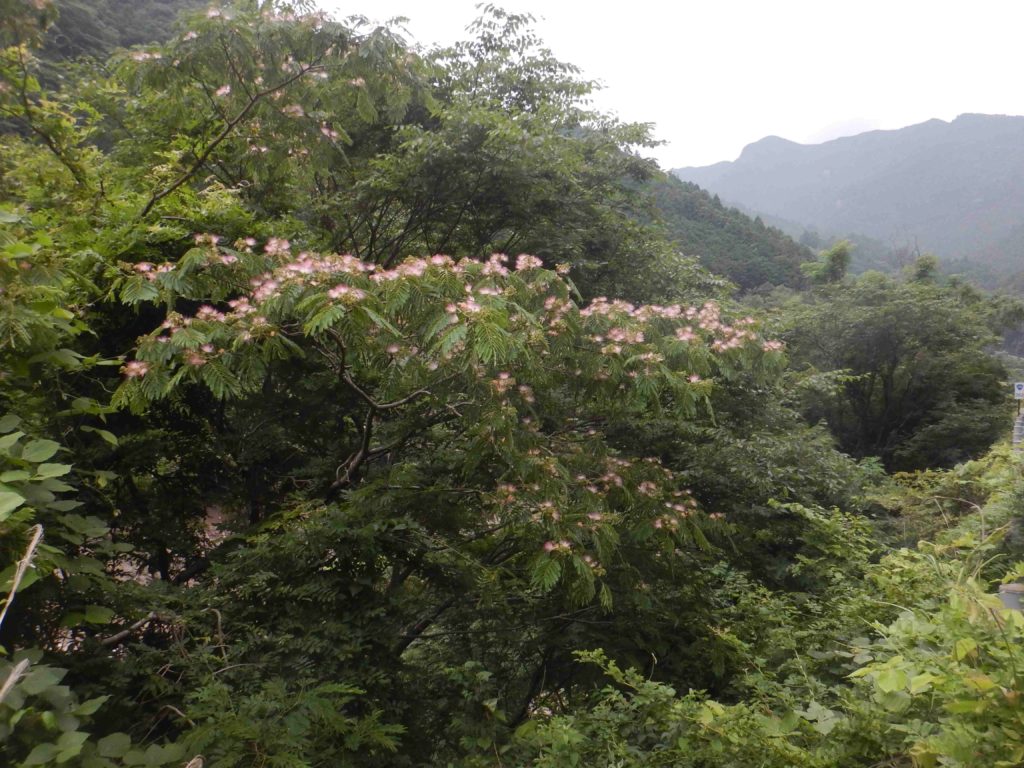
point(370, 406)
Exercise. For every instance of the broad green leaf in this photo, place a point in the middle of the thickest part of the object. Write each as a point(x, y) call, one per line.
point(980, 681)
point(889, 680)
point(9, 501)
point(9, 423)
point(157, 754)
point(65, 358)
point(30, 577)
point(64, 505)
point(8, 441)
point(110, 437)
point(41, 678)
point(44, 471)
point(114, 745)
point(964, 647)
point(54, 485)
point(70, 744)
point(91, 706)
point(134, 757)
point(41, 754)
point(91, 527)
point(39, 450)
point(923, 682)
point(967, 706)
point(98, 614)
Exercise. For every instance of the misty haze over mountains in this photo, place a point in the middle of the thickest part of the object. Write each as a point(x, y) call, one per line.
point(955, 189)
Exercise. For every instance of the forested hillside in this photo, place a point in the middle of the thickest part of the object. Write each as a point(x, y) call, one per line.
point(727, 241)
point(362, 406)
point(96, 28)
point(954, 189)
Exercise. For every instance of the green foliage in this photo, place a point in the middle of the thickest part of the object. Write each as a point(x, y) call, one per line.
point(638, 722)
point(41, 720)
point(919, 386)
point(97, 29)
point(512, 389)
point(935, 684)
point(727, 242)
point(299, 498)
point(281, 726)
point(831, 265)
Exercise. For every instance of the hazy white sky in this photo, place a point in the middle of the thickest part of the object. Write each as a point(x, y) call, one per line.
point(715, 75)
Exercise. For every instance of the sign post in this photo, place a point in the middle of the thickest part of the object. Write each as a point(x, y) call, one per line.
point(1018, 393)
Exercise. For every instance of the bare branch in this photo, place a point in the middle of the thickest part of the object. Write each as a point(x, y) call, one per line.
point(382, 406)
point(125, 633)
point(19, 571)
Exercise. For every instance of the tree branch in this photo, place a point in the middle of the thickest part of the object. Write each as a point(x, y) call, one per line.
point(220, 137)
point(125, 633)
point(382, 406)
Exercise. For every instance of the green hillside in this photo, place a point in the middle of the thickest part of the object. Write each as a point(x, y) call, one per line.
point(727, 241)
point(99, 27)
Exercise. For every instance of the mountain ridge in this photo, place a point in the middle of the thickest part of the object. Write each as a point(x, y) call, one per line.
point(955, 188)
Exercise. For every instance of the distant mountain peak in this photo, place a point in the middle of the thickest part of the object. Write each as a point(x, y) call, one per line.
point(768, 147)
point(954, 188)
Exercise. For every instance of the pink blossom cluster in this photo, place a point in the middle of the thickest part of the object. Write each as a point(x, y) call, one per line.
point(210, 314)
point(264, 287)
point(682, 506)
point(525, 261)
point(506, 492)
point(707, 318)
point(732, 338)
point(503, 383)
point(650, 358)
point(557, 308)
point(685, 333)
point(558, 546)
point(356, 277)
point(277, 246)
point(135, 368)
point(647, 488)
point(469, 306)
point(612, 479)
point(625, 336)
point(495, 265)
point(346, 291)
point(241, 307)
point(150, 271)
point(601, 306)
